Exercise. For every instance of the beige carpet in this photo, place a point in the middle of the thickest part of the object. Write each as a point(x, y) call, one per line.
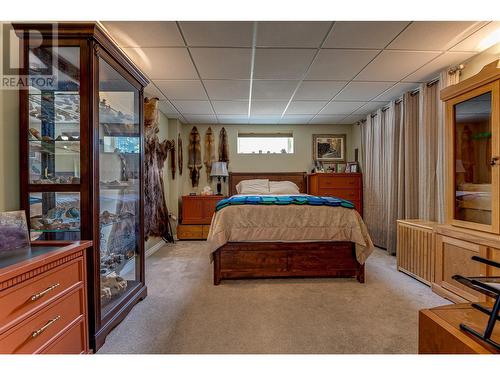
point(185, 313)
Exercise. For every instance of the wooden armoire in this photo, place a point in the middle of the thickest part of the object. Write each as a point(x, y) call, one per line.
point(472, 184)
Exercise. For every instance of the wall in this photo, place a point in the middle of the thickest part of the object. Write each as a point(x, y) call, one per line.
point(299, 161)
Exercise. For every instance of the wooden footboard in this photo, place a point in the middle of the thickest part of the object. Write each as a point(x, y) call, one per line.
point(249, 260)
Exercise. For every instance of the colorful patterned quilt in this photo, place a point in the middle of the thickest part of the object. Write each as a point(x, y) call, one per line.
point(283, 200)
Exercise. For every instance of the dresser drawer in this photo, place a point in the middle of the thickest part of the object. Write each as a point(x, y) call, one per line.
point(351, 195)
point(21, 300)
point(72, 341)
point(341, 182)
point(190, 232)
point(48, 323)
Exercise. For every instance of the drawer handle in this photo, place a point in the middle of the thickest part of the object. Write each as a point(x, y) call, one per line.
point(34, 297)
point(38, 332)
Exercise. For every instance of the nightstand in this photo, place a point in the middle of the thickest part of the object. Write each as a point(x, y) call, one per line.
point(197, 212)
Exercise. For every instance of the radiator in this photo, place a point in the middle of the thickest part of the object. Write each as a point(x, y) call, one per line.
point(415, 249)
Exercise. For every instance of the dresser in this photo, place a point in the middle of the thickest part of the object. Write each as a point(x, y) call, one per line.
point(43, 299)
point(439, 331)
point(347, 186)
point(197, 212)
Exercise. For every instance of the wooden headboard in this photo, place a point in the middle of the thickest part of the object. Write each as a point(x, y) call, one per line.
point(298, 178)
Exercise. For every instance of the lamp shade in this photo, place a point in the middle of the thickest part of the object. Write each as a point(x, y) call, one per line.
point(219, 169)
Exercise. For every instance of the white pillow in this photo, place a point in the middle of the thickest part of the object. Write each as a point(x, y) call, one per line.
point(258, 186)
point(283, 187)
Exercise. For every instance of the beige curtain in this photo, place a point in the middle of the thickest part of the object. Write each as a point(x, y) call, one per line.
point(445, 79)
point(392, 160)
point(410, 157)
point(427, 151)
point(403, 162)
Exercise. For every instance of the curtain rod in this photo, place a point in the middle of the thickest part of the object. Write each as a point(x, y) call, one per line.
point(412, 93)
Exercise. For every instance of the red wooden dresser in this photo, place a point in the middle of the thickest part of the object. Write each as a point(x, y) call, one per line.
point(43, 299)
point(341, 185)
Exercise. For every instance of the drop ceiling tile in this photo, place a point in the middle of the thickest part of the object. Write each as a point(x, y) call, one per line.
point(218, 33)
point(482, 39)
point(268, 107)
point(396, 91)
point(363, 91)
point(395, 65)
point(273, 89)
point(291, 34)
point(151, 91)
point(363, 34)
point(268, 119)
point(193, 107)
point(227, 89)
point(233, 119)
point(177, 116)
point(182, 89)
point(341, 108)
point(201, 119)
point(431, 70)
point(226, 107)
point(296, 119)
point(352, 119)
point(433, 35)
point(144, 34)
point(327, 119)
point(370, 107)
point(282, 63)
point(302, 107)
point(163, 63)
point(222, 63)
point(166, 108)
point(318, 90)
point(339, 64)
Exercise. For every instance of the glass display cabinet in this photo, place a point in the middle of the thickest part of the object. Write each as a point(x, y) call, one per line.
point(81, 131)
point(473, 157)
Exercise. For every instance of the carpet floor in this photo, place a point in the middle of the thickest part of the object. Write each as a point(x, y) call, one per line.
point(185, 313)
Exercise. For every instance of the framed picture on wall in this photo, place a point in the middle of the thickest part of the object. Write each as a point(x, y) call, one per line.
point(329, 147)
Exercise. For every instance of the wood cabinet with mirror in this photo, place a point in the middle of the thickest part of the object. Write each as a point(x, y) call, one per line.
point(81, 134)
point(472, 183)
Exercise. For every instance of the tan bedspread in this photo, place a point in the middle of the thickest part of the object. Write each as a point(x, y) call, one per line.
point(289, 223)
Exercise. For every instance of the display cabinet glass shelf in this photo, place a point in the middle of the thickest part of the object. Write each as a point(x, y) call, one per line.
point(81, 158)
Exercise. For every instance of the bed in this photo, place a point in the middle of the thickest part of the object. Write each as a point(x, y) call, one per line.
point(244, 245)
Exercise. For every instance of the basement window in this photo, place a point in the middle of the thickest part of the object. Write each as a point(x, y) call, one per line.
point(265, 143)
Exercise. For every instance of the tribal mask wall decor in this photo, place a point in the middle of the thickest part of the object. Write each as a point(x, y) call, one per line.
point(156, 222)
point(194, 151)
point(223, 146)
point(209, 156)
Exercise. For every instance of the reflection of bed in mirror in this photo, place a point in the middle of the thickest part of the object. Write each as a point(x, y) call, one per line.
point(236, 256)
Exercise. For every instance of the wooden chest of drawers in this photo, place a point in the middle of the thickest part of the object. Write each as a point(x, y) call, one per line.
point(197, 212)
point(43, 301)
point(341, 185)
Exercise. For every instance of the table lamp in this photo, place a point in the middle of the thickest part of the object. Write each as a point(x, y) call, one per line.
point(219, 169)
